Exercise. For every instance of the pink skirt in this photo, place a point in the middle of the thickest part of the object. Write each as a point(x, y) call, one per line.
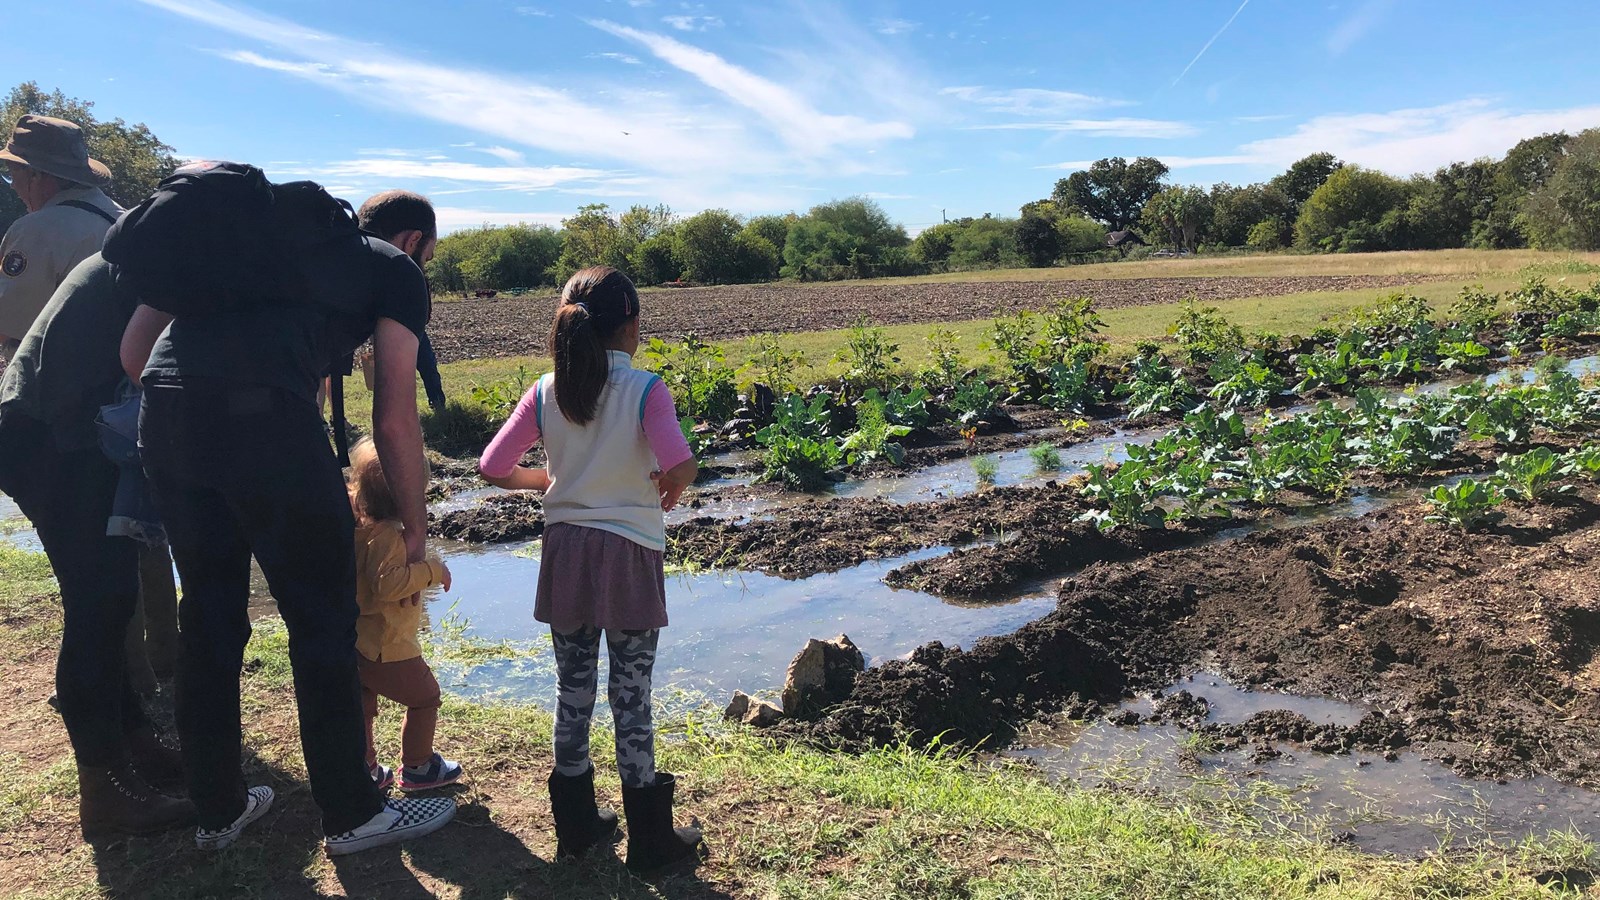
point(594, 578)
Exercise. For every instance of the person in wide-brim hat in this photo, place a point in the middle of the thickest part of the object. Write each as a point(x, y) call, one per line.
point(54, 147)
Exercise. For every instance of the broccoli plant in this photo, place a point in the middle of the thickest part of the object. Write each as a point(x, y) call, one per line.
point(1156, 387)
point(1126, 495)
point(1531, 475)
point(1467, 505)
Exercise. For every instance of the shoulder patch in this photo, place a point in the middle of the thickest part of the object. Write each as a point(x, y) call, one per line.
point(15, 263)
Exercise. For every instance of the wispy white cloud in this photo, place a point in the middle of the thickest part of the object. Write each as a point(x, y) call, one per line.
point(1354, 28)
point(1419, 140)
point(534, 12)
point(1030, 101)
point(1225, 26)
point(693, 23)
point(624, 58)
point(455, 218)
point(800, 124)
point(507, 155)
point(529, 179)
point(893, 27)
point(1158, 129)
point(661, 134)
point(1401, 142)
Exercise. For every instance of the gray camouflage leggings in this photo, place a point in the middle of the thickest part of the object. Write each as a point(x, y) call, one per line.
point(633, 655)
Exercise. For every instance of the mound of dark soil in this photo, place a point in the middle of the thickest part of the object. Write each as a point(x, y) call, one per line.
point(510, 517)
point(1481, 649)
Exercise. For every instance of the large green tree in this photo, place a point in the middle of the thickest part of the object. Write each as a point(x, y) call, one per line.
point(1112, 191)
point(854, 232)
point(495, 257)
point(1305, 176)
point(137, 158)
point(1038, 240)
point(1344, 214)
point(1179, 214)
point(709, 248)
point(1564, 212)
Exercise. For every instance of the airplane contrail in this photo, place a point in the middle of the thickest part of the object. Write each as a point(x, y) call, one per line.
point(1213, 40)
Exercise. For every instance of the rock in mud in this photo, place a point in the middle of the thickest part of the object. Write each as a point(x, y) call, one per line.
point(822, 674)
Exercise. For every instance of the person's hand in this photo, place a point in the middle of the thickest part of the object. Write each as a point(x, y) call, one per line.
point(444, 576)
point(669, 490)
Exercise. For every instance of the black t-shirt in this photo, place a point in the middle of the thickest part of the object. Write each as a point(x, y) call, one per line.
point(293, 345)
point(69, 364)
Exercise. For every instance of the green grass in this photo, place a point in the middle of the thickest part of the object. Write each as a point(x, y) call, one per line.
point(784, 821)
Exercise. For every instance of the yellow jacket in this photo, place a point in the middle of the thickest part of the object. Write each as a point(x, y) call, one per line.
point(387, 628)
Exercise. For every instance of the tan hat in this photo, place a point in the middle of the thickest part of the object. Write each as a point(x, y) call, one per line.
point(55, 147)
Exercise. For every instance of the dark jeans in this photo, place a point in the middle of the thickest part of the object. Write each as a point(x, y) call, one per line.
point(249, 471)
point(67, 495)
point(428, 368)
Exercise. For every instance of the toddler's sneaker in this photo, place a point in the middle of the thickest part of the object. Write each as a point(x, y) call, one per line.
point(399, 820)
point(382, 776)
point(256, 803)
point(436, 772)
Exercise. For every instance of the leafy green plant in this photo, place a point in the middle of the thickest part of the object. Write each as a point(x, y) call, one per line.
point(1398, 312)
point(499, 398)
point(1582, 461)
point(902, 408)
point(1475, 310)
point(1046, 458)
point(1156, 387)
point(774, 364)
point(1248, 384)
point(802, 463)
point(985, 468)
point(1127, 495)
point(945, 366)
point(699, 441)
point(1467, 505)
point(794, 414)
point(1070, 388)
point(702, 383)
point(1205, 334)
point(872, 358)
point(1531, 475)
point(1330, 368)
point(874, 436)
point(1071, 330)
point(975, 399)
point(1463, 356)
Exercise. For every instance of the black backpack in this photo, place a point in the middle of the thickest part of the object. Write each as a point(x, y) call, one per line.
point(218, 237)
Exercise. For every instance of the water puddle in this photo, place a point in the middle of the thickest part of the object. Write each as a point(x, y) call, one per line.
point(729, 630)
point(15, 529)
point(1408, 807)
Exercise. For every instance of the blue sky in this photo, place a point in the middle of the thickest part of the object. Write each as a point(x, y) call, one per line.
point(523, 110)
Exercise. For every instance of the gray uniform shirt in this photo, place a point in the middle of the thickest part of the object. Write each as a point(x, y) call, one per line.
point(39, 250)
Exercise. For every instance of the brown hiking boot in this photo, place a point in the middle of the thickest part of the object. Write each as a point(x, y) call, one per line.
point(113, 802)
point(157, 763)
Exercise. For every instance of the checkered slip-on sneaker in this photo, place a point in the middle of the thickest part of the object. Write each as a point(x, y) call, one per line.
point(256, 803)
point(399, 820)
point(382, 776)
point(437, 773)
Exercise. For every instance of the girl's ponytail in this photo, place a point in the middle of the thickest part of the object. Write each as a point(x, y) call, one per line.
point(595, 304)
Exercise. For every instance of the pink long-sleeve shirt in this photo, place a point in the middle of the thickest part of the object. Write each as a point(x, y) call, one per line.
point(659, 425)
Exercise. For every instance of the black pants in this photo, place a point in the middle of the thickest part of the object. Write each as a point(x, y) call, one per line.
point(67, 495)
point(428, 369)
point(250, 472)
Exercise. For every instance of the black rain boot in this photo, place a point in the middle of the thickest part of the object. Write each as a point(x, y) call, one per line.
point(653, 844)
point(159, 764)
point(117, 801)
point(580, 823)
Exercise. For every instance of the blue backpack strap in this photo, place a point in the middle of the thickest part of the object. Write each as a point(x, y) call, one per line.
point(649, 385)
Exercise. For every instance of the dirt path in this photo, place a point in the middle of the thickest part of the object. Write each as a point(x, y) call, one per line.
point(1482, 651)
point(517, 326)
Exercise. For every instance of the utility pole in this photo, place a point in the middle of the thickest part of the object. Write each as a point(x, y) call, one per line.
point(944, 217)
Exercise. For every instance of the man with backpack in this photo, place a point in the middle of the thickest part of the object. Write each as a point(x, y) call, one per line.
point(265, 286)
point(407, 221)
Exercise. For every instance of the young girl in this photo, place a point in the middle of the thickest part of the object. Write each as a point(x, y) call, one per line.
point(616, 461)
point(386, 633)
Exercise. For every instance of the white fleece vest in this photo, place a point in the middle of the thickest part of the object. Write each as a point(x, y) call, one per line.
point(600, 472)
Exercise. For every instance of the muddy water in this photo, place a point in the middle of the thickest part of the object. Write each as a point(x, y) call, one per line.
point(1409, 806)
point(729, 630)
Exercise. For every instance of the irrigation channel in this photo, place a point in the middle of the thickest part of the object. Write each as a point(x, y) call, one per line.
point(738, 630)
